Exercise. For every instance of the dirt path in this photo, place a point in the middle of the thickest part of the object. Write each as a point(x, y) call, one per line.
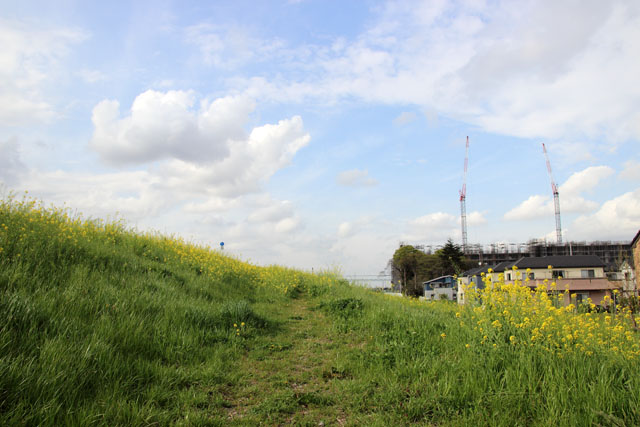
point(295, 376)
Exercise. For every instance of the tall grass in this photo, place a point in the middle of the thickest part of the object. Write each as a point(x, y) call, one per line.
point(440, 363)
point(104, 325)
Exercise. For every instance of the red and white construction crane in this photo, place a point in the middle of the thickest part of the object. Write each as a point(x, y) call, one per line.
point(463, 199)
point(556, 197)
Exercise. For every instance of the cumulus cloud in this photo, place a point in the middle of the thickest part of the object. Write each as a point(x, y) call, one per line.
point(618, 218)
point(535, 206)
point(585, 180)
point(197, 167)
point(198, 148)
point(249, 164)
point(476, 218)
point(168, 125)
point(433, 227)
point(355, 178)
point(571, 200)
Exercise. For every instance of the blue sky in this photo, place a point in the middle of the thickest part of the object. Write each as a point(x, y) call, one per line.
point(320, 134)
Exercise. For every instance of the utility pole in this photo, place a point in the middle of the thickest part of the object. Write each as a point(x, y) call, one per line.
point(556, 197)
point(463, 200)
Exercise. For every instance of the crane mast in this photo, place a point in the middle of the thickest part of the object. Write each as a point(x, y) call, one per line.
point(463, 199)
point(556, 197)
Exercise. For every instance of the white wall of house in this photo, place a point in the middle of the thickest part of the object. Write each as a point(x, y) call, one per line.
point(437, 293)
point(554, 273)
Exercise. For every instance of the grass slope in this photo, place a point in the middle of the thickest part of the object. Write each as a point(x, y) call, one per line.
point(101, 325)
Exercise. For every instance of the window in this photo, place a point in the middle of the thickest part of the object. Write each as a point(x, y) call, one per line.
point(558, 274)
point(531, 276)
point(588, 274)
point(581, 297)
point(508, 276)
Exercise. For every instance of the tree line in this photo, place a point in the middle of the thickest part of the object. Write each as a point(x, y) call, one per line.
point(411, 266)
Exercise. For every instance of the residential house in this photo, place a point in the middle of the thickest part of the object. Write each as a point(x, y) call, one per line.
point(624, 278)
point(443, 287)
point(473, 276)
point(582, 275)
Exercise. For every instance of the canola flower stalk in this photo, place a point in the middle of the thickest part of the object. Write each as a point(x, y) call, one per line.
point(512, 314)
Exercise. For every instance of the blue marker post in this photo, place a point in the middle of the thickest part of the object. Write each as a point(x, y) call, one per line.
point(222, 246)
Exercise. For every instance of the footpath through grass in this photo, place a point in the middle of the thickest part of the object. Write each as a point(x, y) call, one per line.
point(100, 325)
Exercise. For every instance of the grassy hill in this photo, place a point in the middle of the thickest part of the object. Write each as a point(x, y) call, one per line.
point(104, 325)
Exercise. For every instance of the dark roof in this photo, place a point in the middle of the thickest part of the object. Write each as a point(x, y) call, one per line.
point(504, 265)
point(559, 261)
point(476, 271)
point(437, 279)
point(635, 239)
point(498, 268)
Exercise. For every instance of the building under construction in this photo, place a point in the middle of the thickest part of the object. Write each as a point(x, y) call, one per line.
point(611, 253)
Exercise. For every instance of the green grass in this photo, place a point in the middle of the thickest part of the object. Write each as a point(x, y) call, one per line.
point(101, 325)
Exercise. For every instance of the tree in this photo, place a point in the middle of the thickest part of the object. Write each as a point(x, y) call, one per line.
point(429, 267)
point(415, 267)
point(405, 261)
point(452, 258)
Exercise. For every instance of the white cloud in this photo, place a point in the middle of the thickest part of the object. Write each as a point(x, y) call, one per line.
point(618, 218)
point(535, 206)
point(272, 212)
point(287, 225)
point(349, 228)
point(166, 125)
point(476, 218)
point(631, 170)
point(29, 58)
point(210, 205)
point(179, 182)
point(355, 178)
point(363, 245)
point(136, 195)
point(433, 228)
point(516, 68)
point(202, 151)
point(585, 180)
point(250, 163)
point(538, 206)
point(363, 252)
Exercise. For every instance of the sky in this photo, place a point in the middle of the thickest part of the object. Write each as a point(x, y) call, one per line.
point(319, 134)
